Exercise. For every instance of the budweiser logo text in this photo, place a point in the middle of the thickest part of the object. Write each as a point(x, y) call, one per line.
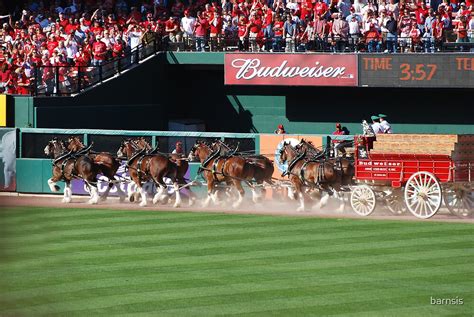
point(250, 68)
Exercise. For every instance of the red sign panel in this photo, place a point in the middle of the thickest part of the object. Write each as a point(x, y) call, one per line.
point(291, 69)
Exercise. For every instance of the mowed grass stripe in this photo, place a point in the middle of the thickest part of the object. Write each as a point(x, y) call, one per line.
point(240, 270)
point(221, 254)
point(272, 248)
point(198, 295)
point(237, 298)
point(195, 283)
point(236, 245)
point(130, 230)
point(286, 270)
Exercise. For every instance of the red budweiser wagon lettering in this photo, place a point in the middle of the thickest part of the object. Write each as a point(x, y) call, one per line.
point(291, 70)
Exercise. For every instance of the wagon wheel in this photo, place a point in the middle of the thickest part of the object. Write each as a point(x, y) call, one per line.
point(423, 195)
point(395, 203)
point(363, 200)
point(459, 199)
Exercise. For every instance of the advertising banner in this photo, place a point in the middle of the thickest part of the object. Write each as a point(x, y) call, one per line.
point(417, 70)
point(7, 159)
point(291, 69)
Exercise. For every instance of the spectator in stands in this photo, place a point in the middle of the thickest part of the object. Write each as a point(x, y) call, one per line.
point(385, 127)
point(438, 32)
point(373, 39)
point(278, 26)
point(461, 31)
point(280, 129)
point(70, 32)
point(392, 33)
point(321, 30)
point(354, 33)
point(172, 30)
point(200, 31)
point(428, 37)
point(289, 33)
point(187, 28)
point(415, 37)
point(470, 30)
point(215, 35)
point(340, 33)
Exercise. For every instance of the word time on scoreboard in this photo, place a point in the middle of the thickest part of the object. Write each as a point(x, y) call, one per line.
point(420, 70)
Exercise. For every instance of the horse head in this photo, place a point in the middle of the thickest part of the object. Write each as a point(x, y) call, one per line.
point(283, 152)
point(74, 143)
point(55, 148)
point(142, 143)
point(199, 150)
point(127, 148)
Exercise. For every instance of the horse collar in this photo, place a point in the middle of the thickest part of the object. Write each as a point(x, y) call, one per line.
point(295, 160)
point(62, 157)
point(84, 150)
point(134, 156)
point(211, 156)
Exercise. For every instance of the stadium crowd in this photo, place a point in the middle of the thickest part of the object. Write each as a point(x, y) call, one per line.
point(81, 33)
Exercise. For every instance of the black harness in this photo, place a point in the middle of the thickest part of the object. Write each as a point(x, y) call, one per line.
point(293, 163)
point(139, 154)
point(211, 156)
point(64, 160)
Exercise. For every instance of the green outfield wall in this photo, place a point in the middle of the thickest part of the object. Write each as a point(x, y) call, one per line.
point(177, 86)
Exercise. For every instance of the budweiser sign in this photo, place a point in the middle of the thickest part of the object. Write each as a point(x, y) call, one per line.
point(291, 69)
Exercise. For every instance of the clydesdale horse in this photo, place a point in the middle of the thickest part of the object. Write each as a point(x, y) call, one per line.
point(107, 164)
point(217, 169)
point(67, 166)
point(148, 167)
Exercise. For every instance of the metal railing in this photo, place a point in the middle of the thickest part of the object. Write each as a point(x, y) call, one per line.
point(70, 80)
point(353, 44)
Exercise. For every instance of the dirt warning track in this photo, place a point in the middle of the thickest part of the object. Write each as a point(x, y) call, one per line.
point(276, 208)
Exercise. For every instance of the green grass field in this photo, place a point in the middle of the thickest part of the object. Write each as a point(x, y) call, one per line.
point(96, 262)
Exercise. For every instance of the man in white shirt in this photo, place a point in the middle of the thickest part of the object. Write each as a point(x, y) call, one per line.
point(384, 125)
point(187, 27)
point(376, 125)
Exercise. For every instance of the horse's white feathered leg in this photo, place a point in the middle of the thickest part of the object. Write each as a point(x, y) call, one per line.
point(144, 198)
point(52, 185)
point(158, 194)
point(302, 206)
point(67, 193)
point(178, 195)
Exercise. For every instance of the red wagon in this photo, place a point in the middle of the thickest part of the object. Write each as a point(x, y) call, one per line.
point(414, 172)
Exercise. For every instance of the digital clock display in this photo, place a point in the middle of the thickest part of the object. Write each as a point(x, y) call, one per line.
point(420, 70)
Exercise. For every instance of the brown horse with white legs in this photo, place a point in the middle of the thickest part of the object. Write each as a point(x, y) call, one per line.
point(182, 165)
point(303, 173)
point(263, 165)
point(67, 166)
point(107, 164)
point(344, 168)
point(143, 167)
point(216, 169)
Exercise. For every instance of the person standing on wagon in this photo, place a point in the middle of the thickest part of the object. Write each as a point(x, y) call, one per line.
point(384, 125)
point(376, 125)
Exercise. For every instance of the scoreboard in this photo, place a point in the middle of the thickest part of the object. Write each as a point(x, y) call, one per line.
point(417, 70)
